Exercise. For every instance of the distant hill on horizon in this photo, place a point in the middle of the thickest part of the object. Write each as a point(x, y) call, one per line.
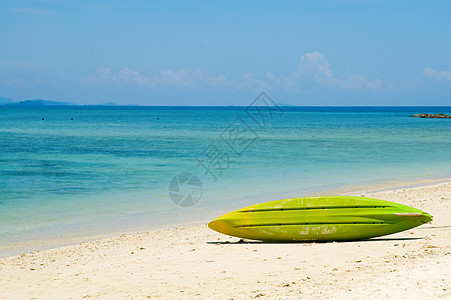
point(41, 102)
point(38, 102)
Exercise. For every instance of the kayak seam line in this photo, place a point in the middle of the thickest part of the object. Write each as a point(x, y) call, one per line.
point(312, 208)
point(308, 223)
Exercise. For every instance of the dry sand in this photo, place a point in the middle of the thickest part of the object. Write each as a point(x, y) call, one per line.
point(195, 262)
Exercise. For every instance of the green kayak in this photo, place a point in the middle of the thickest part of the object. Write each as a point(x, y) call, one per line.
point(328, 218)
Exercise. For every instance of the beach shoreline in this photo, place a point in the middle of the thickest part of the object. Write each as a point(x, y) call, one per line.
point(195, 261)
point(191, 216)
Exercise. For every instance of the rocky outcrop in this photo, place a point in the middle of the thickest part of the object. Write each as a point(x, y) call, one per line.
point(433, 116)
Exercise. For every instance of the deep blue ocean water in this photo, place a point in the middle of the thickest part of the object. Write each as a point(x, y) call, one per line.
point(66, 170)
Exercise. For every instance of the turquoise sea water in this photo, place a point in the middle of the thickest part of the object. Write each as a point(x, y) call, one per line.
point(88, 169)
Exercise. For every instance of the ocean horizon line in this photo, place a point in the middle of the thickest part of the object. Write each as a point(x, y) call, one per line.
point(222, 106)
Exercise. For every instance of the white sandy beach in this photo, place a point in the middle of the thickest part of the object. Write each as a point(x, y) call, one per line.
point(195, 262)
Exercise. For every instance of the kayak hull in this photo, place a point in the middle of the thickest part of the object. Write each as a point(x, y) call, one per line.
point(327, 218)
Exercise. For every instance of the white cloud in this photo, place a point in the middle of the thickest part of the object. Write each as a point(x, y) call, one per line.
point(357, 82)
point(181, 79)
point(439, 75)
point(250, 83)
point(102, 77)
point(107, 77)
point(312, 73)
point(131, 76)
point(285, 83)
point(193, 80)
point(313, 64)
point(313, 68)
point(217, 81)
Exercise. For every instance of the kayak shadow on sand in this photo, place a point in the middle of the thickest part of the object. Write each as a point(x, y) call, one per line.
point(246, 242)
point(434, 227)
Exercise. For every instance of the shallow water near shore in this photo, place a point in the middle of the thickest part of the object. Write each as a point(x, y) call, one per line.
point(107, 169)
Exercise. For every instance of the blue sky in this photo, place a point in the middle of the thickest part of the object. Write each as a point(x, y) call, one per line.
point(226, 52)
